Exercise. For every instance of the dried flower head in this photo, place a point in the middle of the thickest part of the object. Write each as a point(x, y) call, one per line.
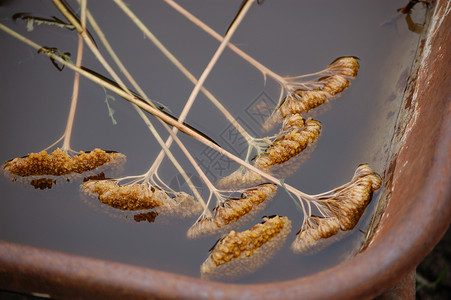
point(59, 163)
point(334, 84)
point(125, 197)
point(241, 178)
point(303, 96)
point(141, 196)
point(302, 101)
point(241, 253)
point(315, 234)
point(228, 213)
point(349, 202)
point(181, 205)
point(292, 141)
point(346, 66)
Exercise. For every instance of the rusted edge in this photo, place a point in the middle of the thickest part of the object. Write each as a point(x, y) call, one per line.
point(409, 229)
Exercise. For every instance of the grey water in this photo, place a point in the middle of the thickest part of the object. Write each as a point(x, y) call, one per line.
point(289, 37)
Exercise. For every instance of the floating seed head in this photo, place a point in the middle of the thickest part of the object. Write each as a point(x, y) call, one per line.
point(136, 196)
point(302, 101)
point(315, 234)
point(231, 210)
point(181, 205)
point(235, 211)
point(141, 196)
point(334, 84)
point(346, 66)
point(242, 253)
point(333, 81)
point(291, 142)
point(350, 201)
point(241, 178)
point(59, 163)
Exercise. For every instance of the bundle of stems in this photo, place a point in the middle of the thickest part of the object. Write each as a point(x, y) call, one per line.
point(148, 191)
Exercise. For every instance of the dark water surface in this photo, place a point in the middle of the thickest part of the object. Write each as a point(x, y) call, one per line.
point(290, 37)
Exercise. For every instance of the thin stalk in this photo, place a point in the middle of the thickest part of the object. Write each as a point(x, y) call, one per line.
point(170, 156)
point(83, 33)
point(130, 78)
point(288, 84)
point(206, 72)
point(73, 106)
point(158, 114)
point(215, 58)
point(264, 70)
point(182, 69)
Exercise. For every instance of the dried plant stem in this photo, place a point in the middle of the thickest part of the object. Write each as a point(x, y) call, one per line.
point(206, 72)
point(142, 115)
point(288, 84)
point(159, 114)
point(153, 169)
point(76, 87)
point(184, 71)
point(215, 58)
point(193, 96)
point(264, 70)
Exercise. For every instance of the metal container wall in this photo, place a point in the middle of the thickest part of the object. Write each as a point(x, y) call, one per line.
point(412, 218)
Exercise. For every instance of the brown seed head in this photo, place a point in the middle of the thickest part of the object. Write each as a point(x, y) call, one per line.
point(345, 66)
point(315, 234)
point(241, 253)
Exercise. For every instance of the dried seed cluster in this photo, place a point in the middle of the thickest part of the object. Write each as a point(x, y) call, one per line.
point(301, 101)
point(59, 163)
point(346, 205)
point(141, 196)
point(347, 66)
point(297, 134)
point(336, 78)
point(136, 196)
point(351, 201)
point(240, 178)
point(232, 210)
point(315, 234)
point(241, 253)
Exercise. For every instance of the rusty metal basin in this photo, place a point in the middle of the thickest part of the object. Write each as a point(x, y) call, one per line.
point(411, 218)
